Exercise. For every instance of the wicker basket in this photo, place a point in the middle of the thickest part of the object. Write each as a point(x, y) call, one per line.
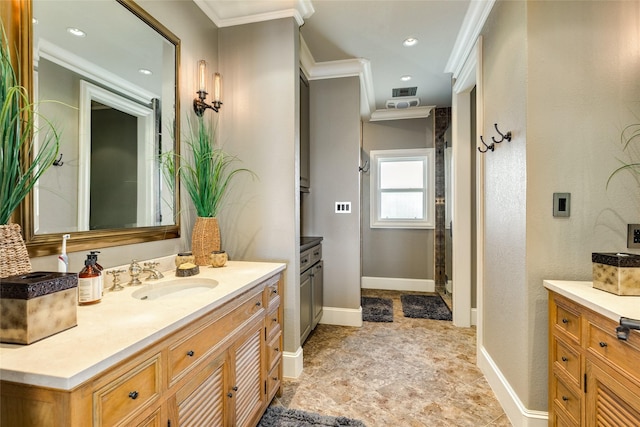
point(14, 258)
point(205, 239)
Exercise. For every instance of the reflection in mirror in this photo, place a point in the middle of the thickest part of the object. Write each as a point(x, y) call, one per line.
point(115, 102)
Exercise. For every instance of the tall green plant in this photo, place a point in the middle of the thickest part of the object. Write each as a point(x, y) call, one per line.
point(630, 139)
point(206, 170)
point(20, 164)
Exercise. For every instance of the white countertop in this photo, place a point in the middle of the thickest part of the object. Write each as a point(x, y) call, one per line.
point(120, 325)
point(602, 302)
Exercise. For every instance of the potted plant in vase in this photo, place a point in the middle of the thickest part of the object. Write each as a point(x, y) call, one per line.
point(20, 164)
point(205, 172)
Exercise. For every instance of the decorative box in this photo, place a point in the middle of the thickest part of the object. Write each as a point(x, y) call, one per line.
point(36, 305)
point(618, 273)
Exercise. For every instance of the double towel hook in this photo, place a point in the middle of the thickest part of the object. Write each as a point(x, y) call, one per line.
point(491, 147)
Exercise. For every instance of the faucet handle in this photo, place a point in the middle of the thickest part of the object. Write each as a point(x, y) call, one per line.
point(116, 280)
point(151, 264)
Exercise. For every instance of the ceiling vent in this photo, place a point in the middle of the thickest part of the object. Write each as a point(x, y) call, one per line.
point(401, 103)
point(404, 91)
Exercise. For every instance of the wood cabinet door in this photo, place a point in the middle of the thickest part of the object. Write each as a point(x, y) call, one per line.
point(611, 399)
point(201, 401)
point(247, 387)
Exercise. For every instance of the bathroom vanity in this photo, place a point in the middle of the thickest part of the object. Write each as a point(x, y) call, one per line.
point(210, 356)
point(594, 376)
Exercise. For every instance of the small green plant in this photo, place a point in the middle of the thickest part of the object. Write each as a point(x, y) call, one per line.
point(205, 170)
point(20, 164)
point(630, 140)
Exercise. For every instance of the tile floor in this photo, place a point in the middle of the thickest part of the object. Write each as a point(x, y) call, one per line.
point(412, 372)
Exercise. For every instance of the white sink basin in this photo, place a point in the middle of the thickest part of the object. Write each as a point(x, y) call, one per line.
point(175, 288)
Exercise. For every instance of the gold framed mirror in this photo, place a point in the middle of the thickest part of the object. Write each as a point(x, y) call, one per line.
point(109, 189)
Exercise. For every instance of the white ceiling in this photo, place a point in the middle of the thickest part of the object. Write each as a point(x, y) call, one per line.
point(371, 31)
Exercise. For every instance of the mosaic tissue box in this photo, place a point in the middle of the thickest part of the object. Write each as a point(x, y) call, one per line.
point(616, 273)
point(36, 305)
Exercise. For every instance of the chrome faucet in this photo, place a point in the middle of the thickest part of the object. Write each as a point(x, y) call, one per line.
point(134, 272)
point(154, 274)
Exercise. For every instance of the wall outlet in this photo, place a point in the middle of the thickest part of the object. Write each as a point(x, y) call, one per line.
point(633, 236)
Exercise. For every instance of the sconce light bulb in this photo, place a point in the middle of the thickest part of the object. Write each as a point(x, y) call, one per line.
point(202, 76)
point(217, 87)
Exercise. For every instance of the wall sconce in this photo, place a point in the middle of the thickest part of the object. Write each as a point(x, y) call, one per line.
point(199, 106)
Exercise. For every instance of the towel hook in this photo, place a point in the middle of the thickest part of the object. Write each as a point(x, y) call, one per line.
point(487, 147)
point(506, 136)
point(58, 161)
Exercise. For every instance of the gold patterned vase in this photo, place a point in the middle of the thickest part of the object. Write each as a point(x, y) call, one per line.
point(205, 239)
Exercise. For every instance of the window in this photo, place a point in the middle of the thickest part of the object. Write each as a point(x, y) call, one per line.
point(402, 188)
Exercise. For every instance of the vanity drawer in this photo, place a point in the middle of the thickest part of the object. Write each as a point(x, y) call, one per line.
point(568, 321)
point(618, 353)
point(568, 399)
point(274, 351)
point(128, 394)
point(273, 381)
point(272, 293)
point(316, 254)
point(272, 321)
point(305, 260)
point(187, 352)
point(567, 359)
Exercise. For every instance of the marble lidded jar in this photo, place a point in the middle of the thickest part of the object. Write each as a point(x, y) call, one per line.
point(218, 258)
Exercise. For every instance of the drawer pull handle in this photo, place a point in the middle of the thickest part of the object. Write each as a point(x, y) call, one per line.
point(565, 398)
point(258, 303)
point(602, 344)
point(565, 320)
point(275, 378)
point(230, 394)
point(133, 395)
point(564, 359)
point(277, 349)
point(190, 353)
point(275, 291)
point(304, 261)
point(275, 319)
point(316, 253)
point(234, 388)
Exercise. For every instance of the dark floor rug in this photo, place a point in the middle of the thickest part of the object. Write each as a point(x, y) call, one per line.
point(279, 416)
point(376, 309)
point(425, 307)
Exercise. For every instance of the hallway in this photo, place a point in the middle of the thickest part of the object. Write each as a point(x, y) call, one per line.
point(412, 372)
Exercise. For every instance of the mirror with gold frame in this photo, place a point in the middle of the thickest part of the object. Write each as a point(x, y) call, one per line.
point(115, 87)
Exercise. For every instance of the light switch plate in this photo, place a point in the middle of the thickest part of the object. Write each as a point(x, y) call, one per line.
point(633, 236)
point(561, 204)
point(343, 207)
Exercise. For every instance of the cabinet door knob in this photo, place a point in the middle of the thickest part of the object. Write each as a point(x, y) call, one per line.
point(234, 388)
point(190, 353)
point(258, 303)
point(230, 394)
point(133, 395)
point(565, 320)
point(275, 291)
point(275, 319)
point(602, 344)
point(565, 398)
point(277, 349)
point(564, 358)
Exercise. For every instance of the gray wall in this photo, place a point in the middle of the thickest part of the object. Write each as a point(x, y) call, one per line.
point(335, 157)
point(396, 253)
point(259, 124)
point(199, 40)
point(563, 76)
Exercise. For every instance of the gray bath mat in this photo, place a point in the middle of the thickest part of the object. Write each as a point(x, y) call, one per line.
point(279, 416)
point(425, 307)
point(376, 309)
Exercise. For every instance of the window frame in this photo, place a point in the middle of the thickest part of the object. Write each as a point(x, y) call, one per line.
point(426, 155)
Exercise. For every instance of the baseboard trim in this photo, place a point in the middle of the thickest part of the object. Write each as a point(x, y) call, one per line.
point(398, 284)
point(509, 400)
point(341, 316)
point(292, 363)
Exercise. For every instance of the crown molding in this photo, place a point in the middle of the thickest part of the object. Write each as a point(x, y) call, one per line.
point(474, 20)
point(302, 9)
point(356, 67)
point(402, 113)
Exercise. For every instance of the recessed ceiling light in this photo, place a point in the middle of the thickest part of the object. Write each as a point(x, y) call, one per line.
point(405, 78)
point(411, 41)
point(76, 32)
point(145, 71)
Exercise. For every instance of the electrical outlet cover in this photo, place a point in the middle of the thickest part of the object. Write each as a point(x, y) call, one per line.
point(633, 236)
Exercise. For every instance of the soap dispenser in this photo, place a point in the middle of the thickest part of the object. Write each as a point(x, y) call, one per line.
point(89, 283)
point(94, 256)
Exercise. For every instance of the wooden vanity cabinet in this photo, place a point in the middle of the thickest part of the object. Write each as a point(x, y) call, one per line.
point(594, 377)
point(220, 370)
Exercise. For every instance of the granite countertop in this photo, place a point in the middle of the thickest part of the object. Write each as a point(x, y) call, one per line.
point(309, 242)
point(120, 326)
point(605, 303)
